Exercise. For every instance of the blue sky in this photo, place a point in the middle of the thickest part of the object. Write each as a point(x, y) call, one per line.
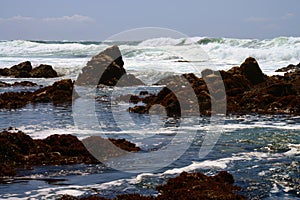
point(96, 20)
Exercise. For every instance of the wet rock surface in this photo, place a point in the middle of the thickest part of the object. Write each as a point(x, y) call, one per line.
point(19, 150)
point(186, 186)
point(247, 90)
point(18, 84)
point(106, 68)
point(290, 67)
point(58, 93)
point(25, 70)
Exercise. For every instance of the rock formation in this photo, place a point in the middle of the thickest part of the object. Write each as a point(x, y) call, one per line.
point(19, 150)
point(106, 68)
point(186, 186)
point(59, 92)
point(25, 70)
point(247, 89)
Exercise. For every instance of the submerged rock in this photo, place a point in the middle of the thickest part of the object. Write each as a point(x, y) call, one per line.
point(106, 68)
point(25, 70)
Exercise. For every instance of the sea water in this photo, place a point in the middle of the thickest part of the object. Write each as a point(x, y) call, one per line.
point(261, 151)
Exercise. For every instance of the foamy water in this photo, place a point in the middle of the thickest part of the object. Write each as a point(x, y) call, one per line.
point(262, 152)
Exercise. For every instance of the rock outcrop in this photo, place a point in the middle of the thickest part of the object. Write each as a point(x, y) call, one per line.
point(58, 93)
point(18, 84)
point(106, 68)
point(25, 70)
point(19, 150)
point(288, 68)
point(186, 186)
point(247, 90)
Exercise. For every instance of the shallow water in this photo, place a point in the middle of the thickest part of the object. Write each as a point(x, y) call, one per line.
point(262, 152)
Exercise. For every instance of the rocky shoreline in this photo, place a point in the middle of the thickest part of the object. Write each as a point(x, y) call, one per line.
point(186, 186)
point(25, 70)
point(58, 93)
point(19, 150)
point(246, 90)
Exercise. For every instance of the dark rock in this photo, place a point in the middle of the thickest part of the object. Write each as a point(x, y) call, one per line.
point(25, 70)
point(247, 90)
point(125, 145)
point(43, 71)
point(6, 170)
point(290, 67)
point(106, 68)
point(24, 66)
point(206, 72)
point(187, 186)
point(58, 93)
point(252, 71)
point(18, 150)
point(104, 149)
point(200, 186)
point(3, 84)
point(18, 84)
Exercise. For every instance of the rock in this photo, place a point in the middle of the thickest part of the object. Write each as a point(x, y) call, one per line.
point(14, 100)
point(18, 84)
point(43, 71)
point(200, 186)
point(18, 150)
point(21, 70)
point(24, 84)
point(252, 71)
point(58, 93)
point(106, 68)
point(3, 84)
point(104, 149)
point(186, 186)
point(290, 67)
point(25, 70)
point(125, 145)
point(247, 89)
point(6, 171)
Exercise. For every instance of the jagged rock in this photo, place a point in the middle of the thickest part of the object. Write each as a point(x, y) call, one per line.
point(125, 145)
point(58, 93)
point(247, 89)
point(17, 149)
point(25, 70)
point(252, 71)
point(106, 68)
point(43, 71)
point(18, 84)
point(186, 186)
point(290, 67)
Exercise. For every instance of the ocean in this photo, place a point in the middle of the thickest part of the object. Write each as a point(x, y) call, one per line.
point(261, 151)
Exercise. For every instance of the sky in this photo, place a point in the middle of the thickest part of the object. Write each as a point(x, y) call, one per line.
point(98, 20)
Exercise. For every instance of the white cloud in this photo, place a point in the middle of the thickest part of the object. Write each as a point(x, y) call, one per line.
point(73, 18)
point(17, 18)
point(257, 19)
point(288, 16)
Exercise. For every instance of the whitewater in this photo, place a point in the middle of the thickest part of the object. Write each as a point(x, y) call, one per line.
point(261, 151)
